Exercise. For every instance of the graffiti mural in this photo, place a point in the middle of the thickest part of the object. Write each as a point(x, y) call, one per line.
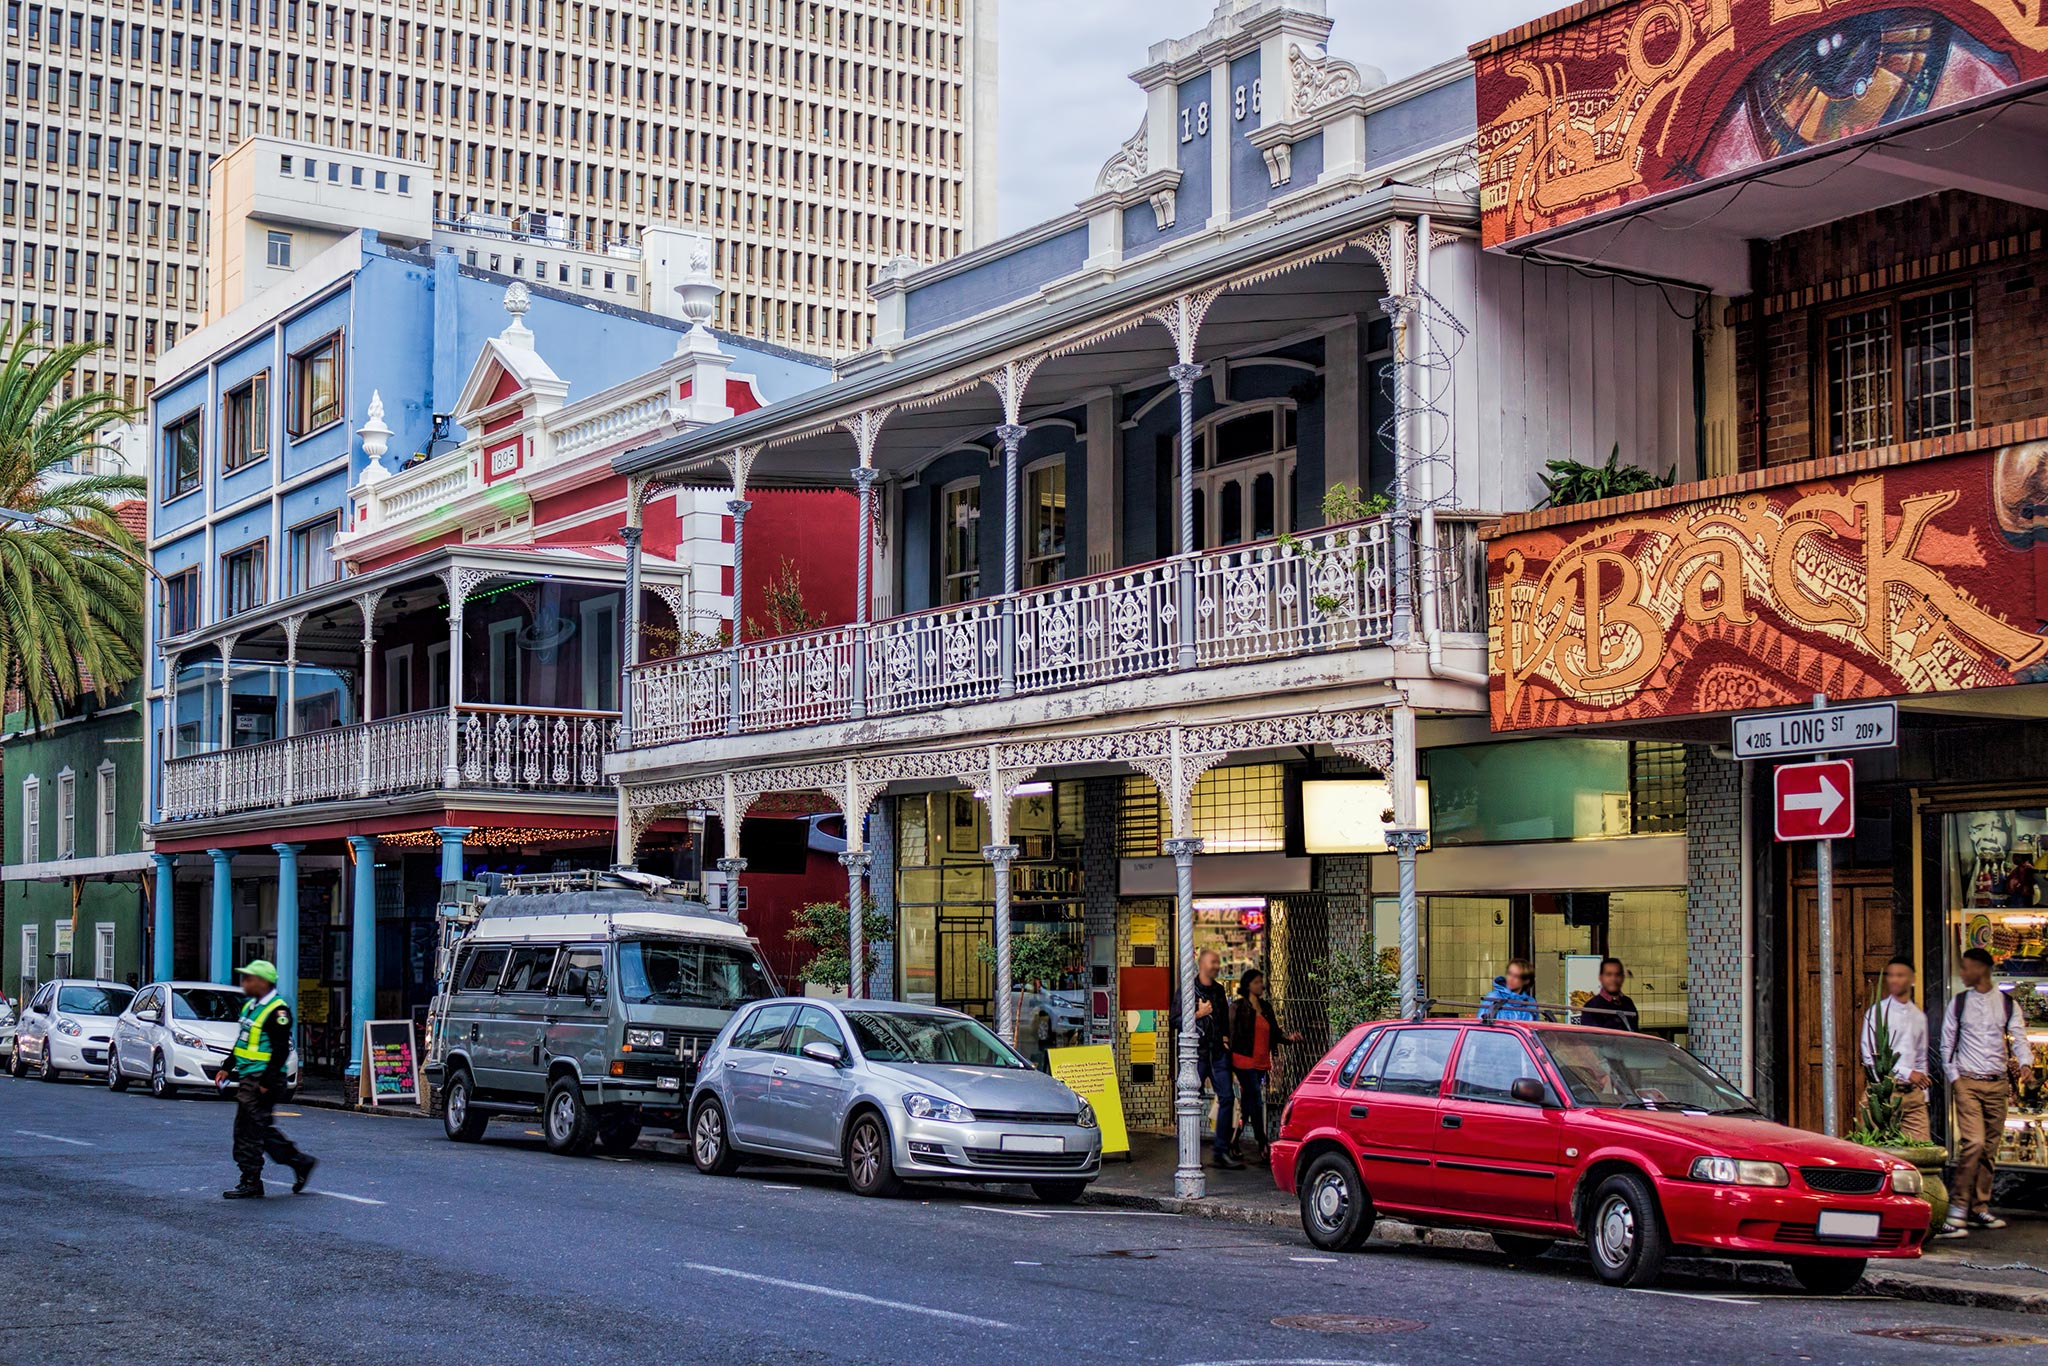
point(1639, 98)
point(1917, 578)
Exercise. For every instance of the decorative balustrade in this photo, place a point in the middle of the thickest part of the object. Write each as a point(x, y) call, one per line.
point(499, 748)
point(1325, 590)
point(643, 412)
point(424, 487)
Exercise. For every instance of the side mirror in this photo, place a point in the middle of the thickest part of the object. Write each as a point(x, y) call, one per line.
point(818, 1050)
point(593, 988)
point(1528, 1090)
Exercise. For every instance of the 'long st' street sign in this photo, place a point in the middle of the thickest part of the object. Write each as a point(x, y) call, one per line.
point(1824, 730)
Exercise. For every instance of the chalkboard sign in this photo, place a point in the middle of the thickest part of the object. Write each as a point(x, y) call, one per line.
point(391, 1064)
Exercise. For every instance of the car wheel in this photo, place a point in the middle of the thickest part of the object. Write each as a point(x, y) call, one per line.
point(160, 1079)
point(48, 1071)
point(14, 1067)
point(617, 1134)
point(1625, 1232)
point(710, 1146)
point(567, 1123)
point(1524, 1245)
point(869, 1168)
point(1828, 1275)
point(461, 1120)
point(1336, 1213)
point(1059, 1192)
point(115, 1081)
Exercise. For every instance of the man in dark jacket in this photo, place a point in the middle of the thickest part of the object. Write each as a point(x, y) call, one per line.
point(1212, 1048)
point(256, 1072)
point(1610, 1008)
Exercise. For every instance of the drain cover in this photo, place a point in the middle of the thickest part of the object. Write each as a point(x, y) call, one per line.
point(1347, 1323)
point(1954, 1337)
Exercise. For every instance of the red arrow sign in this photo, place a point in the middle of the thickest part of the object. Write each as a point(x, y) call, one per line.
point(1815, 801)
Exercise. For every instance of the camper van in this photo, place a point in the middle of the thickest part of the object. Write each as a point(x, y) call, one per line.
point(585, 1000)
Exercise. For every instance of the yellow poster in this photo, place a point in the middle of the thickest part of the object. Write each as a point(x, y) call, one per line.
point(1091, 1071)
point(1144, 1047)
point(312, 1001)
point(1144, 930)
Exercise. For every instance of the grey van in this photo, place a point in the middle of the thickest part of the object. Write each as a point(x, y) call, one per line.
point(587, 1007)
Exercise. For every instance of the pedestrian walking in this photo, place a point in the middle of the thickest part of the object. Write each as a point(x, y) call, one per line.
point(1984, 1048)
point(1610, 1007)
point(1254, 1028)
point(256, 1071)
point(1510, 998)
point(1212, 1048)
point(1907, 1025)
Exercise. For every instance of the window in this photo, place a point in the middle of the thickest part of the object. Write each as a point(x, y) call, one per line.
point(598, 637)
point(1045, 522)
point(763, 1029)
point(485, 967)
point(316, 386)
point(242, 580)
point(582, 972)
point(31, 964)
point(1900, 370)
point(181, 602)
point(1350, 1076)
point(181, 456)
point(245, 421)
point(67, 815)
point(106, 829)
point(312, 551)
point(1489, 1065)
point(960, 542)
point(278, 249)
point(1414, 1062)
point(31, 821)
point(103, 951)
point(814, 1025)
point(530, 969)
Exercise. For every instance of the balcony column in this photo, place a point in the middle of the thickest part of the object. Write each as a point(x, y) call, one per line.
point(1406, 837)
point(292, 626)
point(163, 928)
point(362, 946)
point(220, 960)
point(857, 863)
point(1183, 318)
point(451, 850)
point(367, 604)
point(451, 773)
point(227, 733)
point(739, 508)
point(629, 629)
point(864, 541)
point(288, 923)
point(1188, 1181)
point(1011, 435)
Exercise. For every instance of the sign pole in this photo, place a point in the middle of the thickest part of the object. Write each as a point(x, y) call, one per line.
point(1824, 869)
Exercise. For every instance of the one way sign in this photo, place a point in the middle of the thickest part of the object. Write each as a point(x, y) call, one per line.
point(1816, 801)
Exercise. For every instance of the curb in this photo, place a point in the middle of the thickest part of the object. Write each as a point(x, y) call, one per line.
point(388, 1111)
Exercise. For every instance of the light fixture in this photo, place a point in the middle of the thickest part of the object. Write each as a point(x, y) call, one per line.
point(1230, 903)
point(1038, 789)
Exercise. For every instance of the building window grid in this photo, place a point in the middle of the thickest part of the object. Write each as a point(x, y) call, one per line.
point(1235, 810)
point(1937, 335)
point(1656, 788)
point(1900, 369)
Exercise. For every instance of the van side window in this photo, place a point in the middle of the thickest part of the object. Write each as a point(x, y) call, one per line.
point(531, 968)
point(581, 973)
point(485, 966)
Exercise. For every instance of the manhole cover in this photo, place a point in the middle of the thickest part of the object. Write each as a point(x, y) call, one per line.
point(1347, 1323)
point(1954, 1337)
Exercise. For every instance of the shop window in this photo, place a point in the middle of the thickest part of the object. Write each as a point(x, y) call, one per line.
point(1468, 941)
point(1238, 810)
point(1900, 370)
point(960, 542)
point(245, 423)
point(1514, 791)
point(1656, 788)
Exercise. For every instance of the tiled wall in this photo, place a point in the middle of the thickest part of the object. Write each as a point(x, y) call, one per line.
point(1713, 913)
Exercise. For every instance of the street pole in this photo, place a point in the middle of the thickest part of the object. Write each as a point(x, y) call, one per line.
point(1824, 871)
point(1189, 1182)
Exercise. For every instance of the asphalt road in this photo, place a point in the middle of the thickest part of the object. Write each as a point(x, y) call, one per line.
point(414, 1247)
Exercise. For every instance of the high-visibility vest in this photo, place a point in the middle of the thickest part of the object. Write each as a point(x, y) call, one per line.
point(253, 1045)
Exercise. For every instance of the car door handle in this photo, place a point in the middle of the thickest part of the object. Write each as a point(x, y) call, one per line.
point(780, 1071)
point(475, 1032)
point(1358, 1112)
point(1453, 1121)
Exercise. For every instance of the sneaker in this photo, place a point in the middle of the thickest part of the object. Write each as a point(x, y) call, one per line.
point(1228, 1163)
point(300, 1173)
point(1954, 1228)
point(243, 1192)
point(1986, 1219)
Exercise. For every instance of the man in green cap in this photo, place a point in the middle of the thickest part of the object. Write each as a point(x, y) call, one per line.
point(256, 1070)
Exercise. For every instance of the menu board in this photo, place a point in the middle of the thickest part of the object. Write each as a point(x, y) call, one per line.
point(391, 1064)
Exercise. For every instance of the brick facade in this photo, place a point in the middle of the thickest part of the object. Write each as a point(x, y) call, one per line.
point(1713, 909)
point(1948, 239)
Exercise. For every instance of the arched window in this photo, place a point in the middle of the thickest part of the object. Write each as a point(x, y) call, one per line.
point(1244, 475)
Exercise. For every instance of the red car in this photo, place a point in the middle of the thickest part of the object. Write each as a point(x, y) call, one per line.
point(1540, 1132)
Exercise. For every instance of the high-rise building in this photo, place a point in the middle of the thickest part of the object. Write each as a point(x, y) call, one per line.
point(812, 141)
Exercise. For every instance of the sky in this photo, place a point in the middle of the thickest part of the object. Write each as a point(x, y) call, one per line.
point(1067, 100)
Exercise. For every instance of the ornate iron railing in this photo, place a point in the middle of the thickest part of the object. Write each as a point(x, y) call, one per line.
point(935, 659)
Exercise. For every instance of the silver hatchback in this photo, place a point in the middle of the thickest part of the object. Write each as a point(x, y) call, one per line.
point(888, 1093)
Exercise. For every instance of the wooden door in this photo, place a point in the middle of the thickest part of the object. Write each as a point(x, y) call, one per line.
point(1863, 945)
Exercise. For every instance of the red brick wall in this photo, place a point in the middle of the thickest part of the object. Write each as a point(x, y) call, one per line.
point(1945, 239)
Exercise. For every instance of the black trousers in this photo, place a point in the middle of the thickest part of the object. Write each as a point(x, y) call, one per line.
point(257, 1136)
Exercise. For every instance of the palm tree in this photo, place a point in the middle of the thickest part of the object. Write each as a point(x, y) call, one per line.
point(71, 607)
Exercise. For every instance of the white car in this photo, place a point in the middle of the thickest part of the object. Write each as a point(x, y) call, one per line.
point(179, 1034)
point(6, 1026)
point(68, 1027)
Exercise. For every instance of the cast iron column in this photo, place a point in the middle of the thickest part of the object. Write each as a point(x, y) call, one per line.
point(864, 481)
point(999, 857)
point(1184, 377)
point(1012, 437)
point(857, 862)
point(1188, 1181)
point(738, 507)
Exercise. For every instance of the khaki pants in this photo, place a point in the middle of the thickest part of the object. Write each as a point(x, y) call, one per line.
point(1980, 1127)
point(1913, 1120)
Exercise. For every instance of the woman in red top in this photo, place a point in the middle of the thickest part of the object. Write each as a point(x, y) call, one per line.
point(1253, 1031)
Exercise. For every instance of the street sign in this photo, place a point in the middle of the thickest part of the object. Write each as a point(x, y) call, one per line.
point(1819, 730)
point(1815, 801)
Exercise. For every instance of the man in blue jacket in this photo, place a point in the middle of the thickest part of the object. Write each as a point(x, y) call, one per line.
point(1510, 998)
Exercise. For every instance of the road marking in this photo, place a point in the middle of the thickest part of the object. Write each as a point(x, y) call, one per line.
point(782, 1188)
point(56, 1138)
point(1697, 1295)
point(1318, 1260)
point(1027, 1263)
point(288, 1114)
point(1072, 1213)
point(832, 1293)
point(1016, 1213)
point(331, 1195)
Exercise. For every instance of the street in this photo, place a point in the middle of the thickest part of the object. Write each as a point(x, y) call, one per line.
point(409, 1244)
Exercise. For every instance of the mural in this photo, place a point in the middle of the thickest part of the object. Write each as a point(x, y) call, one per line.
point(1639, 98)
point(1919, 578)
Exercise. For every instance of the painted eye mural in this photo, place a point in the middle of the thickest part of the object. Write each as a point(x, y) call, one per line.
point(1845, 78)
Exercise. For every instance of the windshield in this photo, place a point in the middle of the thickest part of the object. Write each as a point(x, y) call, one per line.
point(913, 1037)
point(93, 1000)
point(1634, 1071)
point(691, 972)
point(200, 1003)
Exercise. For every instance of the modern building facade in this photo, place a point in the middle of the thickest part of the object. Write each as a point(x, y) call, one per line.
point(399, 601)
point(1859, 240)
point(1175, 503)
point(813, 142)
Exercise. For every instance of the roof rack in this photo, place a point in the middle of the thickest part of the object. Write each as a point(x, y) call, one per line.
point(1489, 1010)
point(584, 880)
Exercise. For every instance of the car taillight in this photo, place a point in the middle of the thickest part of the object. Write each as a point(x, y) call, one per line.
point(1286, 1118)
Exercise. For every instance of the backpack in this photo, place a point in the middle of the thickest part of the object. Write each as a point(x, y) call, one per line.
point(1955, 1022)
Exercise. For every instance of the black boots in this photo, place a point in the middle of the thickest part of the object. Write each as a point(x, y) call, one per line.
point(248, 1190)
point(301, 1172)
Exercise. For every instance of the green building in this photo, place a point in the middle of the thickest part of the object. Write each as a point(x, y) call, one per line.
point(73, 880)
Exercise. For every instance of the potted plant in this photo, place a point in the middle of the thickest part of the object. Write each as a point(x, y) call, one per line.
point(822, 927)
point(1877, 1121)
point(1360, 985)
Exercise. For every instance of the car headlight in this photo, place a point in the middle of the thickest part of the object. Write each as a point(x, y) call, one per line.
point(936, 1107)
point(69, 1027)
point(646, 1038)
point(1906, 1180)
point(1728, 1171)
point(184, 1040)
point(1086, 1116)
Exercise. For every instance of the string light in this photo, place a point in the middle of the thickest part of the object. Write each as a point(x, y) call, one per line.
point(493, 837)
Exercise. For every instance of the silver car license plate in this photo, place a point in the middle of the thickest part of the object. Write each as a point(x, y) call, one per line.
point(1840, 1223)
point(1033, 1143)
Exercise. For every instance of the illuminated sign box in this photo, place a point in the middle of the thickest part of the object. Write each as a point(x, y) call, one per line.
point(1351, 815)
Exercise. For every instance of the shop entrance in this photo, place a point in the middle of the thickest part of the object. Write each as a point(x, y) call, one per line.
point(1864, 943)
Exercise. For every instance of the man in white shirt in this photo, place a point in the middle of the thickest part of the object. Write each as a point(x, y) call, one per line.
point(1907, 1025)
point(1981, 1030)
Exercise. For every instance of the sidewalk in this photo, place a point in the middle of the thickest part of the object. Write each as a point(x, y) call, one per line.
point(2006, 1269)
point(337, 1093)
